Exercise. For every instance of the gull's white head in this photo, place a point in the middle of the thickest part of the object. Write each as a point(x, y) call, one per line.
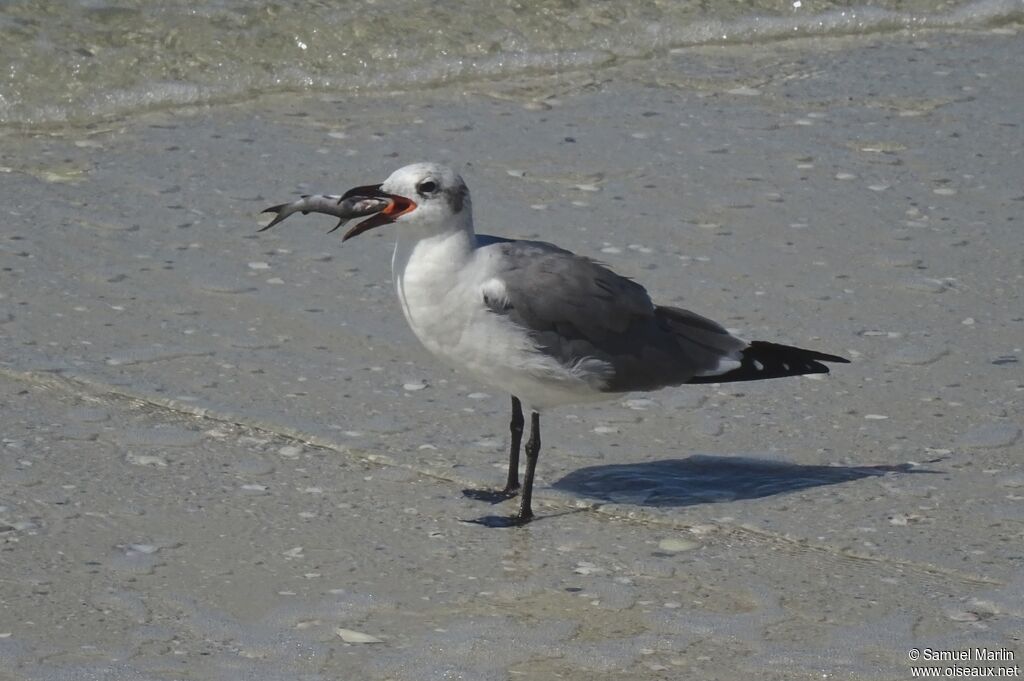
point(425, 197)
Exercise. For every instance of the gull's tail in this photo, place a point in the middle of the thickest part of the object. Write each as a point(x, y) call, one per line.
point(761, 360)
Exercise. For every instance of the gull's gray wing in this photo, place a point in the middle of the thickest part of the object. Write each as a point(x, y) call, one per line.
point(578, 310)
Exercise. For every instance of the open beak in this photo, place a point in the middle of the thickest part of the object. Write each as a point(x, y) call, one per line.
point(396, 206)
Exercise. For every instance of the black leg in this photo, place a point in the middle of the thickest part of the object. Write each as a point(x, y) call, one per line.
point(532, 454)
point(525, 514)
point(516, 429)
point(512, 482)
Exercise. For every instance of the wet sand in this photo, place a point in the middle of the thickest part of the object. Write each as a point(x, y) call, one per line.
point(221, 448)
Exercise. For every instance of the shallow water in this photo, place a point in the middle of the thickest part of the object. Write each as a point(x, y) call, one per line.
point(76, 62)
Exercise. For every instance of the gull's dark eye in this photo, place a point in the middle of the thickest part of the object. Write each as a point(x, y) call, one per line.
point(427, 187)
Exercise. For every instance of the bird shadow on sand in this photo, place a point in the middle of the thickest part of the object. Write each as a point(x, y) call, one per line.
point(702, 479)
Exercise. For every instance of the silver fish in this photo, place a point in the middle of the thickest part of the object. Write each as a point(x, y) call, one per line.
point(331, 204)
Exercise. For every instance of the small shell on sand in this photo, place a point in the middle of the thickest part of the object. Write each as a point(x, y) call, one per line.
point(352, 636)
point(146, 460)
point(675, 545)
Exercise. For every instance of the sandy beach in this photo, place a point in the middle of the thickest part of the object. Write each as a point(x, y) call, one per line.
point(224, 456)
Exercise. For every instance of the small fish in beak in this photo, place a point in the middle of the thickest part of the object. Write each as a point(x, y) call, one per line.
point(342, 208)
point(355, 203)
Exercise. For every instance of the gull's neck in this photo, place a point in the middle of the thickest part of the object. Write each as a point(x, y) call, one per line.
point(432, 252)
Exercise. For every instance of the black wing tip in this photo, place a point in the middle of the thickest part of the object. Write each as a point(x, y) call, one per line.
point(762, 360)
point(789, 349)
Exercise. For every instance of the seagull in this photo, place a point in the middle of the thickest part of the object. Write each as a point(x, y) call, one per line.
point(534, 320)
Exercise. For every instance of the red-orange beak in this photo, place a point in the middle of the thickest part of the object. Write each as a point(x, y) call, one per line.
point(397, 205)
